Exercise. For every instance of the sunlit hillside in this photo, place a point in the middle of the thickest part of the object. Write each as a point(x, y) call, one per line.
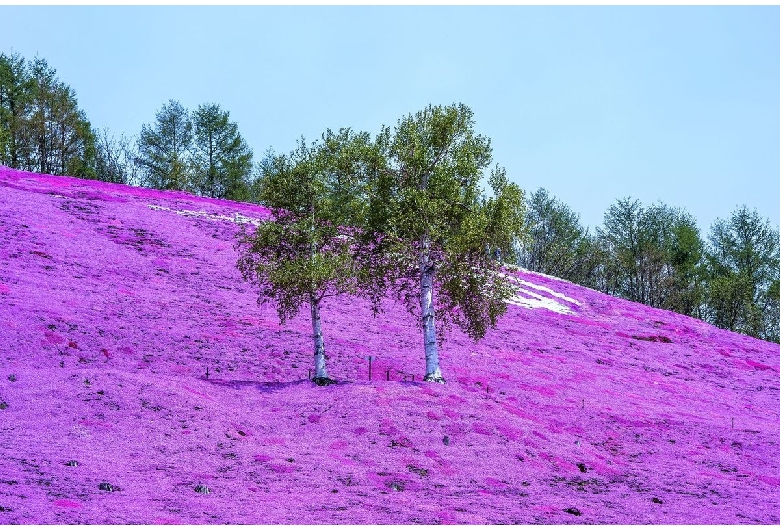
point(140, 382)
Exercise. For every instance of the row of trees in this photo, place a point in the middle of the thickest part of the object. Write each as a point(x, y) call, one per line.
point(41, 127)
point(655, 255)
point(202, 152)
point(402, 212)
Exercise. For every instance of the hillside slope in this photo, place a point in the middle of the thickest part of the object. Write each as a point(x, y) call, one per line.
point(132, 348)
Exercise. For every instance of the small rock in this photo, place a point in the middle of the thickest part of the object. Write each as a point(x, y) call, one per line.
point(657, 500)
point(397, 486)
point(446, 440)
point(418, 470)
point(5, 509)
point(105, 486)
point(72, 463)
point(582, 468)
point(573, 511)
point(200, 488)
point(242, 433)
point(3, 405)
point(12, 378)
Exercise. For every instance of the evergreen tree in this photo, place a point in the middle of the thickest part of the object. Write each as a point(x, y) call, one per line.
point(41, 127)
point(164, 149)
point(434, 235)
point(222, 159)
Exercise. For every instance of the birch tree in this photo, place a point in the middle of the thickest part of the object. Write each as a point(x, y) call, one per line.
point(437, 239)
point(305, 253)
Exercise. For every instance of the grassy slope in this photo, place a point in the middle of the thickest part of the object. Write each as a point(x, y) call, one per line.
point(114, 301)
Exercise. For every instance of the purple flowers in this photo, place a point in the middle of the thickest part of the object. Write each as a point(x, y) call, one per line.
point(642, 399)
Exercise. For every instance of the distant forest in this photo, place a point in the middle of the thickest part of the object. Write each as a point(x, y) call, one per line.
point(651, 254)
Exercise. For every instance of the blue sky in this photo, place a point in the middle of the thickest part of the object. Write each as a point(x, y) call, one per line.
point(680, 104)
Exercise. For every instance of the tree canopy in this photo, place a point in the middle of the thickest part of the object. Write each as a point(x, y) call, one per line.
point(306, 251)
point(222, 161)
point(42, 128)
point(435, 231)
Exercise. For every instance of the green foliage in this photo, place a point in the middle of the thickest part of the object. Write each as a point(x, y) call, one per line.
point(222, 161)
point(428, 214)
point(743, 263)
point(306, 251)
point(653, 256)
point(557, 244)
point(41, 127)
point(163, 149)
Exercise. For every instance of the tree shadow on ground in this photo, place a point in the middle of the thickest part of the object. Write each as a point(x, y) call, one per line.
point(266, 387)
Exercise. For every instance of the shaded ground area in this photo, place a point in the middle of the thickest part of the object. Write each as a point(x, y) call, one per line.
point(140, 382)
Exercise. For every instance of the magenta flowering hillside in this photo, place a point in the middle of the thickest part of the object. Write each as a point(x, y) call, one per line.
point(140, 382)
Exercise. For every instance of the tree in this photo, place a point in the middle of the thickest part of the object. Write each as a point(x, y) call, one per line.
point(744, 273)
point(305, 253)
point(222, 159)
point(14, 100)
point(432, 230)
point(41, 127)
point(686, 260)
point(557, 244)
point(620, 237)
point(163, 150)
point(653, 255)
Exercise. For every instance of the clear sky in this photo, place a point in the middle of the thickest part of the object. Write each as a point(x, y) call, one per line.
point(680, 104)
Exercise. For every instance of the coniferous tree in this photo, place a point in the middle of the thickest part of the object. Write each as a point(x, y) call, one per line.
point(41, 127)
point(221, 158)
point(164, 149)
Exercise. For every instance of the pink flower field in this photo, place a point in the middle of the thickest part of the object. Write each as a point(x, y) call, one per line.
point(140, 382)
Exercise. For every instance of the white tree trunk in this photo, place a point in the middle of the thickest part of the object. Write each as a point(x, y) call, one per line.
point(432, 370)
point(319, 345)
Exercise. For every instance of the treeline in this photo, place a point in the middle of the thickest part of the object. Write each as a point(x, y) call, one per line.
point(655, 255)
point(42, 129)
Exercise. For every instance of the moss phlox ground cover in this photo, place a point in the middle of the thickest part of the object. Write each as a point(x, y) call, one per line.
point(140, 382)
